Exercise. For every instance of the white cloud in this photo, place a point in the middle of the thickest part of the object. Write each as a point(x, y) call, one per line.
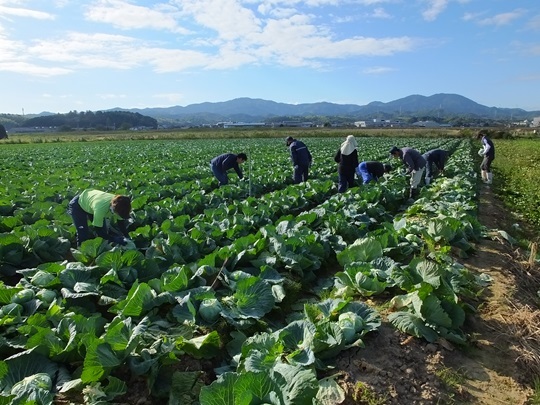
point(503, 18)
point(380, 12)
point(86, 50)
point(123, 15)
point(115, 52)
point(321, 3)
point(435, 7)
point(111, 96)
point(25, 12)
point(48, 95)
point(227, 18)
point(470, 16)
point(32, 69)
point(230, 36)
point(171, 60)
point(15, 58)
point(377, 70)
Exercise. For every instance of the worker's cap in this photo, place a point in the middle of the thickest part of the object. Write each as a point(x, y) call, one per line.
point(394, 150)
point(288, 140)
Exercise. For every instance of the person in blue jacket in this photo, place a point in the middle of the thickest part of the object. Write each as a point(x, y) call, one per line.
point(301, 159)
point(416, 164)
point(372, 171)
point(220, 164)
point(488, 155)
point(437, 158)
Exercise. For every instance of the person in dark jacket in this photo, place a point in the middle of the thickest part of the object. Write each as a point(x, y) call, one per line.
point(347, 157)
point(3, 132)
point(301, 159)
point(372, 171)
point(437, 158)
point(415, 163)
point(488, 155)
point(220, 164)
point(100, 208)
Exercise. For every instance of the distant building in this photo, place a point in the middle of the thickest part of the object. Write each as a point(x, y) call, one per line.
point(240, 124)
point(301, 124)
point(426, 124)
point(379, 123)
point(535, 122)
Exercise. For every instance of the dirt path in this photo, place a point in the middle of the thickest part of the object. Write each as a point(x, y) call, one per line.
point(495, 369)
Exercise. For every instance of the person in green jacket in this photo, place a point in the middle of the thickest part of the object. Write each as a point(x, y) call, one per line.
point(100, 208)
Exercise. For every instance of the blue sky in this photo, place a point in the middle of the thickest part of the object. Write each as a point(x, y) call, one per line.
point(63, 55)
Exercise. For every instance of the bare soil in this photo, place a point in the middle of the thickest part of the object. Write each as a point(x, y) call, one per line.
point(499, 364)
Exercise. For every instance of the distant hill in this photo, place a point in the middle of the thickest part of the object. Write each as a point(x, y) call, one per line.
point(103, 120)
point(249, 109)
point(444, 108)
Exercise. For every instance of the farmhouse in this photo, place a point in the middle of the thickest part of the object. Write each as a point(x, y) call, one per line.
point(240, 124)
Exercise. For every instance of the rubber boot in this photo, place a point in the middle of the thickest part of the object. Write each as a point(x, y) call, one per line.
point(484, 176)
point(413, 193)
point(489, 178)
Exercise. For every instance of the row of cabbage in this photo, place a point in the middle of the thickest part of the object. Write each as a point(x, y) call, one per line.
point(234, 284)
point(35, 195)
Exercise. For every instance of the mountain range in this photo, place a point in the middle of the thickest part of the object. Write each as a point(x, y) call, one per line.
point(443, 106)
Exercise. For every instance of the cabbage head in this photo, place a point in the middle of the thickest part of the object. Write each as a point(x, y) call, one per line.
point(210, 309)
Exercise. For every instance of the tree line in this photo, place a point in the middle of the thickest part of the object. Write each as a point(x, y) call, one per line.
point(100, 120)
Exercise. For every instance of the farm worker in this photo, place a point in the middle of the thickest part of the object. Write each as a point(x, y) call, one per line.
point(372, 170)
point(3, 132)
point(227, 161)
point(347, 159)
point(301, 159)
point(100, 207)
point(437, 158)
point(488, 155)
point(415, 163)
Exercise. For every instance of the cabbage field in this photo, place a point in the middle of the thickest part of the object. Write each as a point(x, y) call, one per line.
point(242, 294)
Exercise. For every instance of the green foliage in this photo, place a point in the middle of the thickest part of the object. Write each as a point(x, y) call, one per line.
point(90, 119)
point(517, 169)
point(232, 275)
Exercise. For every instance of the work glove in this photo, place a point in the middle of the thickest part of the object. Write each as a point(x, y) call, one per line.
point(119, 240)
point(130, 245)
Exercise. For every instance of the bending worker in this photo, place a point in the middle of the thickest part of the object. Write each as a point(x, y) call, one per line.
point(372, 171)
point(415, 163)
point(100, 208)
point(227, 161)
point(437, 158)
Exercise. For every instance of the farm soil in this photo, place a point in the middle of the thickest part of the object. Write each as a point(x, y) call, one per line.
point(497, 367)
